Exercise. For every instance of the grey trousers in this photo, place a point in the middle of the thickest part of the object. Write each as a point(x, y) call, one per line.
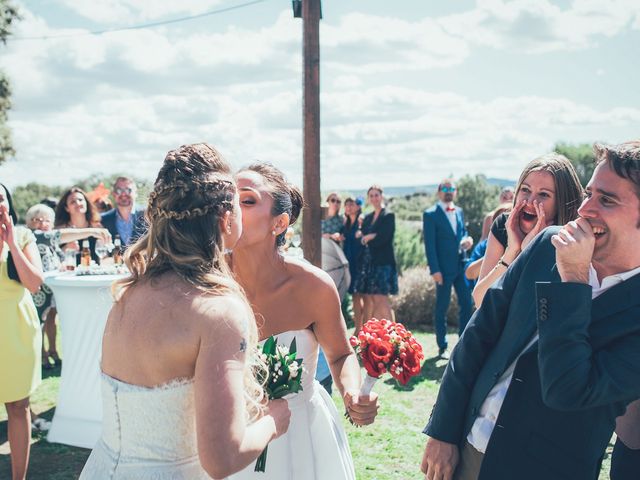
point(470, 463)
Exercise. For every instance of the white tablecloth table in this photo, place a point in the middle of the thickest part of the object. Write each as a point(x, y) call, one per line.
point(83, 303)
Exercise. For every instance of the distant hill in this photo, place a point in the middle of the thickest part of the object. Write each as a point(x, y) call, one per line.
point(409, 190)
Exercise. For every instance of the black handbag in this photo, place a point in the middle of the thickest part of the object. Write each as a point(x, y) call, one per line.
point(11, 268)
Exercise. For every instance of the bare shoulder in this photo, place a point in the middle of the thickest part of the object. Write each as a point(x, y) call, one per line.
point(308, 278)
point(217, 314)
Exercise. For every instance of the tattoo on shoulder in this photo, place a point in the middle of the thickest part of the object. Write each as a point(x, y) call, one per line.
point(243, 345)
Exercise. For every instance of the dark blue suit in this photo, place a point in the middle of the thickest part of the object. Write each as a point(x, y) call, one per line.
point(567, 389)
point(442, 247)
point(108, 220)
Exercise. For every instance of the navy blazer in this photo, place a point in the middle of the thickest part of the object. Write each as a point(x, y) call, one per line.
point(441, 244)
point(108, 220)
point(567, 389)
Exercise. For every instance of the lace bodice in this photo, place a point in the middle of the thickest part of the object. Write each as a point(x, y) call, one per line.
point(146, 433)
point(131, 416)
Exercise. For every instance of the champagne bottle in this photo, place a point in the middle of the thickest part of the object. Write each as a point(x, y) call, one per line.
point(85, 254)
point(117, 250)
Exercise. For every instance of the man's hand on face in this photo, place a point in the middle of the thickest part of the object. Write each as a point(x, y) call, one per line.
point(440, 460)
point(574, 248)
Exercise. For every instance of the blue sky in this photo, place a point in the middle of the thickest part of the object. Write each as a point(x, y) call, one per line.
point(410, 91)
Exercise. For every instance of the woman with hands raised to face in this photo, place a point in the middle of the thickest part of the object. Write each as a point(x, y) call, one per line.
point(548, 193)
point(20, 335)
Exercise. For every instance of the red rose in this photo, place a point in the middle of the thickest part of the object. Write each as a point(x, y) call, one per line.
point(380, 351)
point(369, 365)
point(375, 328)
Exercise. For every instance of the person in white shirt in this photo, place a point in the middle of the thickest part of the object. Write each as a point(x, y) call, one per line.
point(552, 357)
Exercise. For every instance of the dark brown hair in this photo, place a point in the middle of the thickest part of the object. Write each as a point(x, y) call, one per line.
point(63, 218)
point(287, 198)
point(623, 158)
point(569, 192)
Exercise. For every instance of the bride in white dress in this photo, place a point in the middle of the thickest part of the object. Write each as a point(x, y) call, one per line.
point(292, 298)
point(180, 399)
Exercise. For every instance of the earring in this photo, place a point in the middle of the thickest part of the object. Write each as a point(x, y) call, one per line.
point(273, 232)
point(229, 229)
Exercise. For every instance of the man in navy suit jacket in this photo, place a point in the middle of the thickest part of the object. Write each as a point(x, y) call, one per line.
point(552, 356)
point(625, 459)
point(125, 220)
point(446, 243)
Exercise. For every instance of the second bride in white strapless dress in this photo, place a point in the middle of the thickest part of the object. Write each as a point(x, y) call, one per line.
point(315, 447)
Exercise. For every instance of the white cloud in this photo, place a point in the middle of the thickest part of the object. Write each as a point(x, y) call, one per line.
point(132, 11)
point(537, 26)
point(119, 102)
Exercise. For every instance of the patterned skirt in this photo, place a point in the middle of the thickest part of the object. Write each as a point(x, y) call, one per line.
point(375, 279)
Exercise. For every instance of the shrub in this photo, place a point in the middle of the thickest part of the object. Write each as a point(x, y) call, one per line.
point(408, 245)
point(415, 303)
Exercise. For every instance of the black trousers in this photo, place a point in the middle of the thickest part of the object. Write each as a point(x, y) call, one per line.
point(625, 463)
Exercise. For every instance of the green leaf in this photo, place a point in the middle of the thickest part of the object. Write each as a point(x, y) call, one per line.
point(269, 347)
point(293, 346)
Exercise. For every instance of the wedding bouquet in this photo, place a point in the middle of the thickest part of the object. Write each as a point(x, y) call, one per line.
point(386, 346)
point(283, 376)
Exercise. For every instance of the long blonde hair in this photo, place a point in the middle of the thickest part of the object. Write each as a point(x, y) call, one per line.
point(193, 191)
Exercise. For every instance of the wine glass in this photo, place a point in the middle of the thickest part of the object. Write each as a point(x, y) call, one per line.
point(102, 250)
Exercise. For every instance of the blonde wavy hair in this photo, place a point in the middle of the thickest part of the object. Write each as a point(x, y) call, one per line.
point(193, 191)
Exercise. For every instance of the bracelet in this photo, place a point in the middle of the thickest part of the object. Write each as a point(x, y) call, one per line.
point(503, 263)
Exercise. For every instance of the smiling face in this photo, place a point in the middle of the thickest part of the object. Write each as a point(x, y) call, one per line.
point(375, 198)
point(447, 192)
point(612, 208)
point(124, 193)
point(256, 205)
point(350, 208)
point(41, 222)
point(539, 186)
point(76, 204)
point(333, 203)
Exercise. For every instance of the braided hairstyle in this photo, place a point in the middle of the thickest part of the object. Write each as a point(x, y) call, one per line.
point(192, 193)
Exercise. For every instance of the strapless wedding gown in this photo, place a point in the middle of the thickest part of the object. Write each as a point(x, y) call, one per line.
point(315, 447)
point(147, 433)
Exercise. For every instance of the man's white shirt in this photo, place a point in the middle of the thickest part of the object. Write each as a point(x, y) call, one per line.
point(486, 420)
point(451, 215)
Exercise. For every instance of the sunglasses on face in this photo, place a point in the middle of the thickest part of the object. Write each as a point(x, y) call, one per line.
point(42, 220)
point(120, 191)
point(448, 189)
point(335, 200)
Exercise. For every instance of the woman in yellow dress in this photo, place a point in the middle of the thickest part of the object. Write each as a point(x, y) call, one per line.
point(20, 335)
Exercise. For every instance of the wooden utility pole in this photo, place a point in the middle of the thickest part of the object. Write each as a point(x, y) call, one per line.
point(311, 226)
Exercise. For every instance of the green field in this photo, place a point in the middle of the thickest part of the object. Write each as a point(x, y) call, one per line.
point(390, 449)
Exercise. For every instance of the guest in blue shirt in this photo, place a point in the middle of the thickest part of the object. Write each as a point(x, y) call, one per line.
point(125, 220)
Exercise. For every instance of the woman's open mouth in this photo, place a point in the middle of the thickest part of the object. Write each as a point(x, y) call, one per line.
point(529, 217)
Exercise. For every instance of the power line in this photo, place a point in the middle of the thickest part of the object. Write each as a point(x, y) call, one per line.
point(140, 26)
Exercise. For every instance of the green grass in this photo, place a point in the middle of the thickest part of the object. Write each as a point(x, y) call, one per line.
point(390, 449)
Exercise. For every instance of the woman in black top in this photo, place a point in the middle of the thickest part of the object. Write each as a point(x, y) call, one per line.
point(378, 276)
point(352, 247)
point(548, 193)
